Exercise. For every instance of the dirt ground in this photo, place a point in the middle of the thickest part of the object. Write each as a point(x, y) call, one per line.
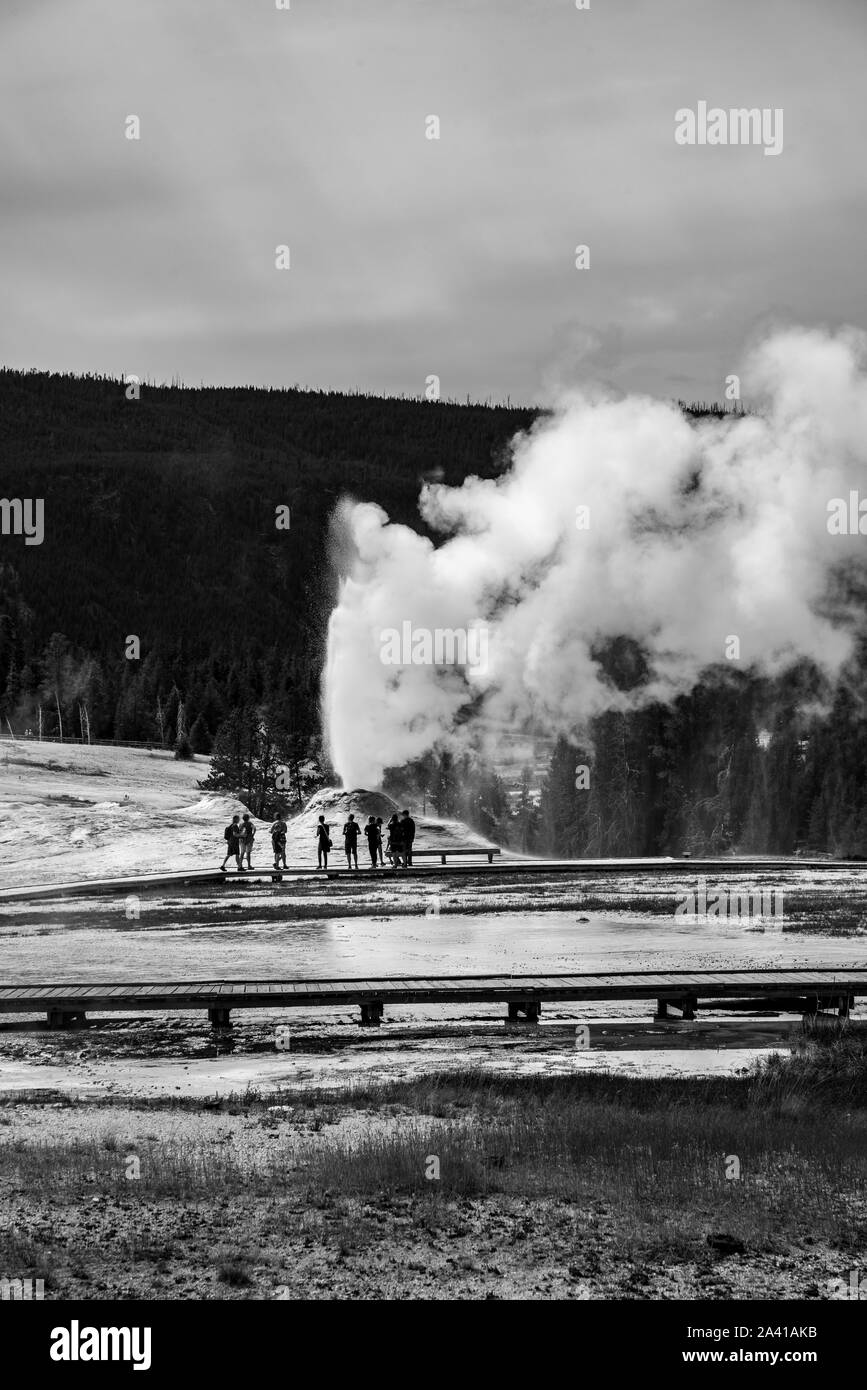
point(294, 1244)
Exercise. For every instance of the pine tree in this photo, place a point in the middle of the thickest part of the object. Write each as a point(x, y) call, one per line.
point(246, 760)
point(526, 817)
point(200, 738)
point(561, 810)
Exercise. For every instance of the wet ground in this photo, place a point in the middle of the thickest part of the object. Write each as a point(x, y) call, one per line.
point(468, 926)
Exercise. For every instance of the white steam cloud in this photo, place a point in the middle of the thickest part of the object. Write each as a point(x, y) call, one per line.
point(696, 533)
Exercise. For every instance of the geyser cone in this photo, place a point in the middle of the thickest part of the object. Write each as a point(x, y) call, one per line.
point(338, 801)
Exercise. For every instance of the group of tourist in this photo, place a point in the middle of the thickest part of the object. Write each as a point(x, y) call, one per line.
point(239, 837)
point(398, 835)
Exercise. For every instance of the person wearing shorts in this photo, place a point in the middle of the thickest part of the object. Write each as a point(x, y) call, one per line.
point(351, 832)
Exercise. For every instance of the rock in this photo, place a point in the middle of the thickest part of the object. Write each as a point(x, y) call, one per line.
point(725, 1244)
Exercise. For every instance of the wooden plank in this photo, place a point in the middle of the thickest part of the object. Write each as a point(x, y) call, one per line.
point(45, 991)
point(832, 977)
point(790, 982)
point(624, 985)
point(432, 983)
point(627, 980)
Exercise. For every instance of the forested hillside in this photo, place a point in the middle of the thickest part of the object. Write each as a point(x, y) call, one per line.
point(160, 522)
point(160, 525)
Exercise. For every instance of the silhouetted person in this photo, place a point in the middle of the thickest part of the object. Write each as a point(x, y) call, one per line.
point(323, 843)
point(371, 831)
point(231, 835)
point(351, 832)
point(407, 825)
point(394, 848)
point(379, 840)
point(247, 836)
point(278, 841)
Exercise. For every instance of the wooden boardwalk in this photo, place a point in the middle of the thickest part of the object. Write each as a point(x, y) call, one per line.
point(678, 993)
point(504, 867)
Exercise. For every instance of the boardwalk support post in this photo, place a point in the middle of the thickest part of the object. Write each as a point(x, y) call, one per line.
point(530, 1008)
point(66, 1018)
point(371, 1013)
point(685, 1005)
point(220, 1017)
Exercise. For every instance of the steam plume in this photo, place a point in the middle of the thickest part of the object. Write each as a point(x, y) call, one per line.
point(697, 532)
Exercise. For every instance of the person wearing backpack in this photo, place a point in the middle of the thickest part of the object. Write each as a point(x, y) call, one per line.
point(323, 842)
point(247, 836)
point(233, 848)
point(278, 841)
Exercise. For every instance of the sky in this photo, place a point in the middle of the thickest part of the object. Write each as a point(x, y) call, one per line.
point(412, 257)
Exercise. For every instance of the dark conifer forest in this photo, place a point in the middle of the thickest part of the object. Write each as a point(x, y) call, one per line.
point(160, 526)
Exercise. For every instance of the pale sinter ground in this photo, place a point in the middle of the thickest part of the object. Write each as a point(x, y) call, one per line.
point(74, 811)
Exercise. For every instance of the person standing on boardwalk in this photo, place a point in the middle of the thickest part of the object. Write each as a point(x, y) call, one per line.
point(351, 832)
point(247, 836)
point(278, 841)
point(233, 848)
point(371, 830)
point(379, 840)
point(394, 847)
point(407, 825)
point(323, 843)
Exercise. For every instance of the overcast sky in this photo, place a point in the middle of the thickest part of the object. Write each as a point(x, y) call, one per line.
point(409, 256)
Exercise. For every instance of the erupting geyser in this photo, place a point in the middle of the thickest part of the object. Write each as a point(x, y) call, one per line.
point(618, 518)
